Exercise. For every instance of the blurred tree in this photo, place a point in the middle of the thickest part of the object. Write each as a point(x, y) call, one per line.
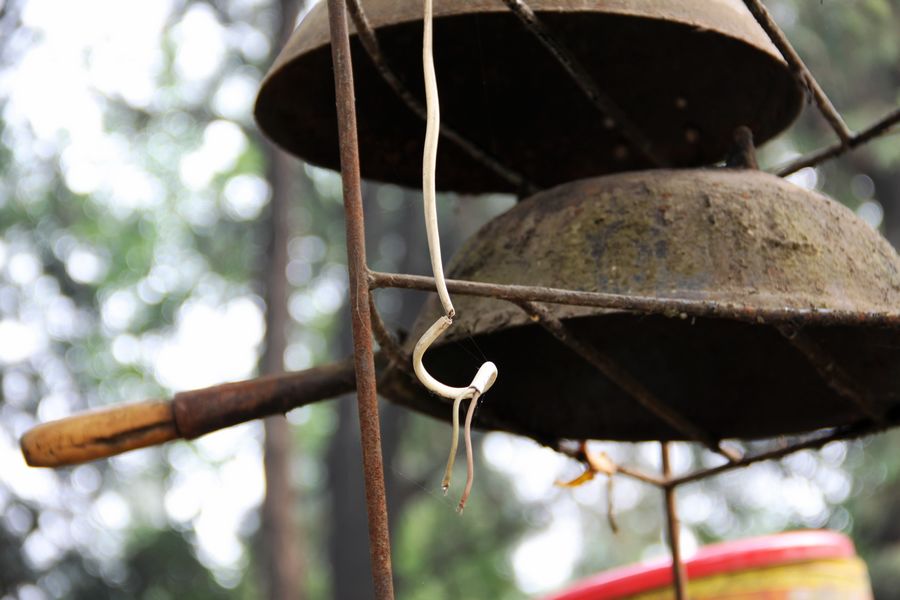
point(279, 541)
point(160, 564)
point(116, 187)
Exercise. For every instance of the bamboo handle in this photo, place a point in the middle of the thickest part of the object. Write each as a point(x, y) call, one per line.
point(99, 434)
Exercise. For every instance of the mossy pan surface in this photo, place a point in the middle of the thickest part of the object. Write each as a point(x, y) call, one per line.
point(740, 237)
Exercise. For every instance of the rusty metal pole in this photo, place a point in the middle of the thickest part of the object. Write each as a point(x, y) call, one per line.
point(364, 362)
point(679, 575)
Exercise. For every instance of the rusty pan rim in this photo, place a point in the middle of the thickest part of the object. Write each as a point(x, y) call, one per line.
point(312, 32)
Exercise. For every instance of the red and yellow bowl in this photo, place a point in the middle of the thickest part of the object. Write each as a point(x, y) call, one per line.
point(812, 565)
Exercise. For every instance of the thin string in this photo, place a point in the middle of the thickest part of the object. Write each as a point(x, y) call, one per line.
point(487, 374)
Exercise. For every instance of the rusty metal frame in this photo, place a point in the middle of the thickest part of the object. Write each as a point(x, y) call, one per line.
point(524, 297)
point(366, 321)
point(671, 307)
point(190, 414)
point(882, 126)
point(673, 524)
point(364, 359)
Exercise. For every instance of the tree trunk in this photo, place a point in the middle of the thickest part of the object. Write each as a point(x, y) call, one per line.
point(281, 562)
point(281, 557)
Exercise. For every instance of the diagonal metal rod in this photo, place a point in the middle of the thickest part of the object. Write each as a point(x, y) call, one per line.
point(624, 380)
point(670, 307)
point(856, 430)
point(679, 574)
point(583, 79)
point(803, 75)
point(390, 346)
point(370, 44)
point(877, 129)
point(579, 455)
point(839, 380)
point(364, 361)
point(639, 476)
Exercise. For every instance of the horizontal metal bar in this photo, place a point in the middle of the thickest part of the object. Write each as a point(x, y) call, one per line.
point(670, 307)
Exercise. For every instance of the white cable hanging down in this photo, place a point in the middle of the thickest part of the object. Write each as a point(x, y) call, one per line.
point(487, 374)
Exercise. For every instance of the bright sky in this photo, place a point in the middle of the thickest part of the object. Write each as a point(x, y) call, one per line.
point(218, 479)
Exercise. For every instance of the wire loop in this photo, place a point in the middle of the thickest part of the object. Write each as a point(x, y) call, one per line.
point(487, 374)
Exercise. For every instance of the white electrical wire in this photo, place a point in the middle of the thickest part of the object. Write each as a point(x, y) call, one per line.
point(487, 374)
point(429, 162)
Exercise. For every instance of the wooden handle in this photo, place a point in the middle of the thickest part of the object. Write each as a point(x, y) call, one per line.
point(117, 429)
point(99, 434)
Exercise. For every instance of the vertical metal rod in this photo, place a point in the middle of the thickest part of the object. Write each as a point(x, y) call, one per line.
point(364, 362)
point(679, 575)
